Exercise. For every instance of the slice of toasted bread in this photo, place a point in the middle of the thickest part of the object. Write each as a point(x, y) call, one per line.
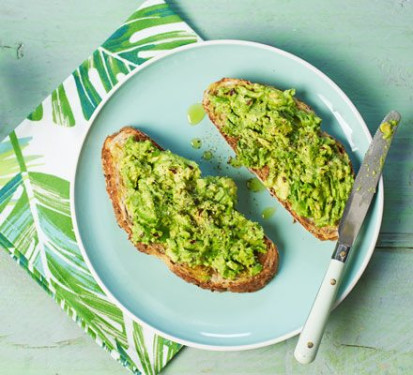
point(202, 276)
point(322, 233)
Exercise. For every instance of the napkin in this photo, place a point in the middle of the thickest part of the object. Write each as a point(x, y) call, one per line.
point(37, 163)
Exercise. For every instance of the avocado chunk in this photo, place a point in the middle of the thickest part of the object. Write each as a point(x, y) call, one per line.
point(387, 128)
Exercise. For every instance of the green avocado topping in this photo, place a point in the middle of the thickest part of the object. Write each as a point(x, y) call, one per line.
point(193, 217)
point(305, 166)
point(387, 128)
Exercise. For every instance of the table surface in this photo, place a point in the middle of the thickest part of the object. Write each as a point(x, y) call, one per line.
point(366, 47)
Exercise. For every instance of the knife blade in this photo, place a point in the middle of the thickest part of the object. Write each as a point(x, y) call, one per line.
point(367, 178)
point(355, 211)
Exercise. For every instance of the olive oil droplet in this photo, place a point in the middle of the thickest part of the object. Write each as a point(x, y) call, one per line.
point(196, 143)
point(207, 155)
point(268, 212)
point(255, 185)
point(195, 113)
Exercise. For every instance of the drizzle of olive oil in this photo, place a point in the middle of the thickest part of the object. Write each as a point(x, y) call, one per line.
point(255, 185)
point(196, 143)
point(268, 212)
point(207, 155)
point(195, 113)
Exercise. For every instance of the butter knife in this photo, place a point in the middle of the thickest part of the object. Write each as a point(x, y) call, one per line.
point(355, 211)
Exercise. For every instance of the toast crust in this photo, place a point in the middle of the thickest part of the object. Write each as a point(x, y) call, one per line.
point(200, 276)
point(322, 233)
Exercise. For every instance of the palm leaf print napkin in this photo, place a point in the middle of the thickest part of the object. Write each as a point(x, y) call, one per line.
point(36, 167)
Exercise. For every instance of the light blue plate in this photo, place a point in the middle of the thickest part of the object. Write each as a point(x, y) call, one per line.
point(155, 99)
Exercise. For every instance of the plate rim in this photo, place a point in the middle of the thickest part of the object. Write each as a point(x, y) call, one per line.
point(78, 151)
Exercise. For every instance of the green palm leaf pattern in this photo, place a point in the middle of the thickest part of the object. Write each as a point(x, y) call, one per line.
point(61, 108)
point(151, 30)
point(148, 31)
point(126, 360)
point(132, 44)
point(37, 114)
point(40, 226)
point(164, 350)
point(62, 112)
point(36, 226)
point(140, 346)
point(8, 162)
point(97, 76)
point(35, 219)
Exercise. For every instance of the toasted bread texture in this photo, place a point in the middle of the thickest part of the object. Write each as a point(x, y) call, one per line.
point(219, 120)
point(203, 277)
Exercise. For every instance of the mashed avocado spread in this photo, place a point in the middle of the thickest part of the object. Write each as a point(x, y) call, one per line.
point(305, 166)
point(387, 128)
point(193, 217)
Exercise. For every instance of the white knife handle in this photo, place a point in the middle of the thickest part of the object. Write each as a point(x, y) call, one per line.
point(310, 336)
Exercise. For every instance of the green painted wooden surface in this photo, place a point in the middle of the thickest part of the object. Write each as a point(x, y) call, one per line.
point(364, 46)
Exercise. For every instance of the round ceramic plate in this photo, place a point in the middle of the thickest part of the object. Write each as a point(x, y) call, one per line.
point(155, 99)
